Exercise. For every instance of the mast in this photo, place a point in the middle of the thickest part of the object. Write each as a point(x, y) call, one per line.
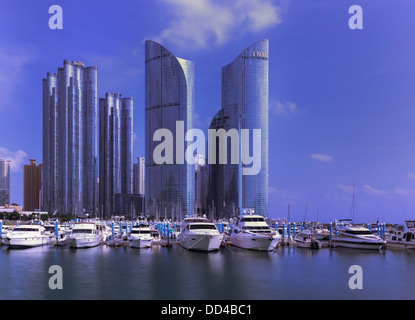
point(353, 205)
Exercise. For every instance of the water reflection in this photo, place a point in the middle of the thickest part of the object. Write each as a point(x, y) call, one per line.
point(230, 273)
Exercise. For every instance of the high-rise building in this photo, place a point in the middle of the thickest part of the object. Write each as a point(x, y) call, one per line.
point(201, 184)
point(244, 106)
point(4, 182)
point(32, 186)
point(139, 176)
point(115, 150)
point(70, 169)
point(169, 105)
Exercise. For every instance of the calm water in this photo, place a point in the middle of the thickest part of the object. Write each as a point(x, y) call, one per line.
point(174, 273)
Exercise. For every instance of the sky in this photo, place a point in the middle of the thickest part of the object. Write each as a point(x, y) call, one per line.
point(341, 101)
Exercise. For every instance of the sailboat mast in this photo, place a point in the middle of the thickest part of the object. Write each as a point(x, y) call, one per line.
point(353, 204)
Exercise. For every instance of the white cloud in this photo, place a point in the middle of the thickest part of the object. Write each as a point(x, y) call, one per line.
point(281, 193)
point(286, 107)
point(411, 175)
point(199, 23)
point(405, 192)
point(322, 157)
point(12, 62)
point(373, 191)
point(16, 158)
point(346, 188)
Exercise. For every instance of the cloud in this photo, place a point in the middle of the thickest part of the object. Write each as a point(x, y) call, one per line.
point(411, 175)
point(346, 188)
point(16, 158)
point(369, 189)
point(12, 63)
point(322, 157)
point(405, 192)
point(283, 108)
point(281, 193)
point(200, 23)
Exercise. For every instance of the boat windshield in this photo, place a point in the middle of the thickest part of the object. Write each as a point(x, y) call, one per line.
point(140, 231)
point(202, 226)
point(359, 232)
point(25, 229)
point(253, 219)
point(81, 231)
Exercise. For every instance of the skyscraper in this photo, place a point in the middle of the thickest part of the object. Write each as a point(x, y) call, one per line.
point(32, 186)
point(244, 106)
point(70, 170)
point(169, 104)
point(115, 149)
point(4, 182)
point(139, 176)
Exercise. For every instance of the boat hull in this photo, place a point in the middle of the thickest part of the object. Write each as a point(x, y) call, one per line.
point(367, 245)
point(140, 243)
point(255, 242)
point(400, 245)
point(26, 242)
point(87, 242)
point(308, 244)
point(201, 242)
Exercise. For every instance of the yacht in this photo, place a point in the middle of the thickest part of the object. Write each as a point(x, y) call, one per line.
point(24, 236)
point(140, 236)
point(350, 236)
point(402, 239)
point(84, 235)
point(307, 239)
point(200, 234)
point(250, 231)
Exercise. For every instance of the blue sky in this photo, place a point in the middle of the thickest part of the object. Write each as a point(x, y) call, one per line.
point(342, 101)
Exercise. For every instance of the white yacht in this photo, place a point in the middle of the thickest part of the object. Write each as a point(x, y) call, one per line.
point(252, 232)
point(24, 236)
point(306, 239)
point(84, 235)
point(349, 236)
point(140, 236)
point(200, 234)
point(402, 239)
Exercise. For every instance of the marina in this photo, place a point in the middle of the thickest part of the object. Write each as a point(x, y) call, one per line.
point(231, 273)
point(248, 231)
point(153, 260)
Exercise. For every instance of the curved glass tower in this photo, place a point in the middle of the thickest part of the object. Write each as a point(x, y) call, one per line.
point(244, 106)
point(70, 171)
point(169, 104)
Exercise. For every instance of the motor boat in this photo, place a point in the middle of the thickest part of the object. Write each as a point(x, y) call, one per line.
point(306, 239)
point(140, 236)
point(358, 237)
point(26, 236)
point(402, 239)
point(84, 235)
point(200, 234)
point(250, 231)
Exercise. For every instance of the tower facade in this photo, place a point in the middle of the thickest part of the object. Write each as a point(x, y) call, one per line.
point(115, 150)
point(245, 105)
point(70, 170)
point(32, 186)
point(4, 182)
point(169, 104)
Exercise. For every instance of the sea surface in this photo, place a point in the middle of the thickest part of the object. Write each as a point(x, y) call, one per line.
point(230, 274)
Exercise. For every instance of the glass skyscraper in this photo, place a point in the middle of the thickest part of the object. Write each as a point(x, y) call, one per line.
point(4, 182)
point(244, 106)
point(169, 99)
point(115, 150)
point(139, 176)
point(70, 171)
